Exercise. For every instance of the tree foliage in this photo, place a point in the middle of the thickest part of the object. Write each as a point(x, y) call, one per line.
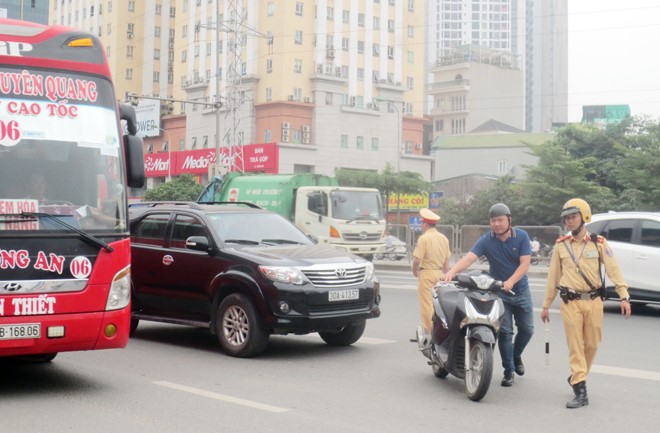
point(387, 182)
point(183, 188)
point(616, 168)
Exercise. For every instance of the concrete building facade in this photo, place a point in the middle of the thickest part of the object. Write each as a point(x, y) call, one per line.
point(335, 83)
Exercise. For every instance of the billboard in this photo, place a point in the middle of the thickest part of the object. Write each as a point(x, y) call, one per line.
point(147, 113)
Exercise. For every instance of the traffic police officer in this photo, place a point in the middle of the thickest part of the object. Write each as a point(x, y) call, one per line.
point(430, 262)
point(574, 273)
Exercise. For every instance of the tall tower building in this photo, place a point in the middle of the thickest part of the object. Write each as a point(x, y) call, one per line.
point(335, 83)
point(546, 64)
point(533, 30)
point(27, 10)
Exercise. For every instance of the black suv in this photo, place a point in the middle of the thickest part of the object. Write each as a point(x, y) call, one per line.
point(244, 273)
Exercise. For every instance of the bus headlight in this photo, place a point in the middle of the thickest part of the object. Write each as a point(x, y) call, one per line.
point(120, 290)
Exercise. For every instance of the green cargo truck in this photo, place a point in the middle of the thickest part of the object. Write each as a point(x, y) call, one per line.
point(344, 217)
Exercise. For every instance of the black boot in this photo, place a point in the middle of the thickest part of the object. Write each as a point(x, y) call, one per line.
point(581, 399)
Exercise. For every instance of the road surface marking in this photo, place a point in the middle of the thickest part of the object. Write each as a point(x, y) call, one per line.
point(626, 372)
point(221, 397)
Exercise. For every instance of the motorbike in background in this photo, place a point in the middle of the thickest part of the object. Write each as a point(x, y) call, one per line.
point(396, 251)
point(466, 320)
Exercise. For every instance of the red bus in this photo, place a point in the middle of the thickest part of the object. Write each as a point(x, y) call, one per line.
point(65, 169)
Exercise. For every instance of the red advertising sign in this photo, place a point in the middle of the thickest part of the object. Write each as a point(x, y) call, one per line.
point(256, 157)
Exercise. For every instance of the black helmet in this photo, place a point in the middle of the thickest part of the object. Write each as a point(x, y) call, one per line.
point(498, 209)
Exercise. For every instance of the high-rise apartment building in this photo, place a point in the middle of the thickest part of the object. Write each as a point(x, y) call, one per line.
point(28, 10)
point(335, 83)
point(533, 30)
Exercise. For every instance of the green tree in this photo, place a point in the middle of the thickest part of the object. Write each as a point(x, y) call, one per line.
point(181, 188)
point(387, 182)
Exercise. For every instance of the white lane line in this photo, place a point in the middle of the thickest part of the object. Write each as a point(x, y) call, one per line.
point(626, 372)
point(221, 397)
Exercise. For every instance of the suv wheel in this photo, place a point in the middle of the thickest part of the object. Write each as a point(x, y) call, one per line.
point(346, 336)
point(239, 328)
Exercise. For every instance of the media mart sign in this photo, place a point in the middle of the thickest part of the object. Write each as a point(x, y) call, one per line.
point(256, 157)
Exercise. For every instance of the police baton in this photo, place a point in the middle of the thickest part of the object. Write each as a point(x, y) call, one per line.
point(547, 343)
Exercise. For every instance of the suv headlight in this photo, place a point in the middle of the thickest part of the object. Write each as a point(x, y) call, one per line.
point(284, 274)
point(120, 290)
point(369, 271)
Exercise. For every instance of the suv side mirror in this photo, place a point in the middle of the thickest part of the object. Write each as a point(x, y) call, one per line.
point(198, 243)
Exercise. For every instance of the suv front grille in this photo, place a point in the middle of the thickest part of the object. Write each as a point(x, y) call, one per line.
point(336, 276)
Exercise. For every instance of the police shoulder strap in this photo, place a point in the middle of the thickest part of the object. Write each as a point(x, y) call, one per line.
point(577, 265)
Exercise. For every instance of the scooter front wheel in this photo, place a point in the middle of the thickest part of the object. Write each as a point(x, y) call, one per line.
point(478, 377)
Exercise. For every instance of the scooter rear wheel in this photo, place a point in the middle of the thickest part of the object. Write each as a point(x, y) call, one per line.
point(478, 378)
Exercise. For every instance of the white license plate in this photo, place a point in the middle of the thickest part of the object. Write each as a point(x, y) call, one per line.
point(343, 295)
point(18, 332)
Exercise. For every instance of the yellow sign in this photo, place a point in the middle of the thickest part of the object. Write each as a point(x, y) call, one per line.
point(408, 201)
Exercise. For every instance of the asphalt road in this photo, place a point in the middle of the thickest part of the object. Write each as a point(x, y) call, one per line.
point(176, 379)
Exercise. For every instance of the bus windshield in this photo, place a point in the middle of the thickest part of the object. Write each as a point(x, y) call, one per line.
point(59, 152)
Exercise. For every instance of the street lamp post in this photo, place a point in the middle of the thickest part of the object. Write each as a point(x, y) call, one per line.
point(169, 154)
point(399, 132)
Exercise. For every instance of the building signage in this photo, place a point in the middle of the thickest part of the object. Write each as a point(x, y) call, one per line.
point(408, 201)
point(256, 157)
point(147, 114)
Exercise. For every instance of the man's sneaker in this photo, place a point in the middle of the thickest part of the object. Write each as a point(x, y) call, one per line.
point(520, 367)
point(507, 380)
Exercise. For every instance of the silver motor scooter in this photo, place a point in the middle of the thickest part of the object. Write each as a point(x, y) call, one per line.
point(466, 320)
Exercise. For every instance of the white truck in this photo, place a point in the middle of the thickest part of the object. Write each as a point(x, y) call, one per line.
point(344, 217)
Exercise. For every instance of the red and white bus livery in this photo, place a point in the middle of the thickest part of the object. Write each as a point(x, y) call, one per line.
point(65, 170)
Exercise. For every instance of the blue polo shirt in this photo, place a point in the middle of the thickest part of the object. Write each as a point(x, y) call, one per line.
point(504, 256)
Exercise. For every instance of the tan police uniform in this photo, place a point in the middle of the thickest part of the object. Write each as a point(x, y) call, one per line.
point(583, 318)
point(432, 252)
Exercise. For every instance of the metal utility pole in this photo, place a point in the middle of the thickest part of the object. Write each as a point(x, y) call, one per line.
point(233, 25)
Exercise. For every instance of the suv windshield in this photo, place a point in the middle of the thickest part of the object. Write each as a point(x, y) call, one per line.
point(256, 227)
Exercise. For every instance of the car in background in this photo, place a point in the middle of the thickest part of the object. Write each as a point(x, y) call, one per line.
point(244, 273)
point(634, 238)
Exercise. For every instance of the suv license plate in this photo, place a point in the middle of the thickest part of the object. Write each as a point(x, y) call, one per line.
point(18, 332)
point(343, 295)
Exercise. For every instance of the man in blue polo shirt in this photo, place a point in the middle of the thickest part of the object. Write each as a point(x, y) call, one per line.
point(508, 251)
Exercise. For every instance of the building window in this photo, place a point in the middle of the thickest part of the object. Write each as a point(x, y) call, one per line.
point(376, 23)
point(359, 142)
point(269, 66)
point(270, 8)
point(131, 6)
point(298, 37)
point(409, 82)
point(328, 98)
point(411, 31)
point(411, 5)
point(374, 143)
point(182, 144)
point(184, 55)
point(345, 16)
point(165, 146)
point(297, 94)
point(269, 94)
point(361, 20)
point(344, 141)
point(297, 66)
point(129, 74)
point(330, 13)
point(156, 76)
point(376, 50)
point(501, 167)
point(156, 54)
point(129, 51)
point(458, 126)
point(299, 8)
point(268, 135)
point(411, 57)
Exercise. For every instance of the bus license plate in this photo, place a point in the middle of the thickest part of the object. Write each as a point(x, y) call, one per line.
point(343, 295)
point(18, 332)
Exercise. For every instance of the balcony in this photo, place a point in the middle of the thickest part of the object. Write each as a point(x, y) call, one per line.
point(448, 86)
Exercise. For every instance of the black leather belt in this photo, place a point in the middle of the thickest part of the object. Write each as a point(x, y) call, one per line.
point(567, 294)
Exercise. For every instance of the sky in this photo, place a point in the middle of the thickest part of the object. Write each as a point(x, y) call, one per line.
point(614, 55)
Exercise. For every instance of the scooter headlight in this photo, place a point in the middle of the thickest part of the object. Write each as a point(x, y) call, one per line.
point(482, 281)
